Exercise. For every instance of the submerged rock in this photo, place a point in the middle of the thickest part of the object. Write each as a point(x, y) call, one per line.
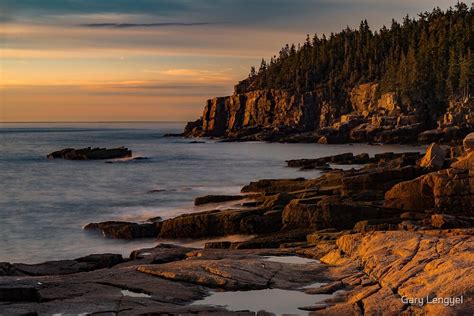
point(91, 153)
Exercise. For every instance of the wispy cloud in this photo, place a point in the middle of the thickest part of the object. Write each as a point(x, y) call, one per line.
point(130, 25)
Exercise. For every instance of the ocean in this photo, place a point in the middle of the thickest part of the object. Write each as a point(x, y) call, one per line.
point(45, 203)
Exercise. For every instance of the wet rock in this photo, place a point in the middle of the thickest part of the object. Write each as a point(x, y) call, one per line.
point(217, 199)
point(62, 267)
point(163, 253)
point(237, 273)
point(22, 291)
point(325, 289)
point(192, 128)
point(125, 230)
point(90, 153)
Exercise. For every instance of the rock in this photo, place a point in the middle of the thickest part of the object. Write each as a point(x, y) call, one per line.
point(377, 179)
point(90, 153)
point(192, 128)
point(444, 221)
point(413, 216)
point(468, 142)
point(126, 230)
point(217, 199)
point(377, 224)
point(327, 212)
point(237, 273)
point(277, 201)
point(269, 108)
point(26, 291)
point(62, 267)
point(409, 264)
point(325, 289)
point(273, 240)
point(464, 162)
point(430, 136)
point(323, 234)
point(217, 245)
point(221, 223)
point(163, 253)
point(447, 191)
point(269, 186)
point(363, 97)
point(434, 157)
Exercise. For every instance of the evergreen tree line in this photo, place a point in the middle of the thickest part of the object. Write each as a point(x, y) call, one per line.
point(427, 59)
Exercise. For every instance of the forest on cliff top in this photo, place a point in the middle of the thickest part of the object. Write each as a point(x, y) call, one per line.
point(427, 59)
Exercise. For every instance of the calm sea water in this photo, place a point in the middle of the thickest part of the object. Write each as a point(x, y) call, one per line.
point(44, 204)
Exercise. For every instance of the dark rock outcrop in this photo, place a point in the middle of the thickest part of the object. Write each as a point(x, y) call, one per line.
point(61, 267)
point(91, 153)
point(125, 230)
point(217, 199)
point(221, 223)
point(357, 115)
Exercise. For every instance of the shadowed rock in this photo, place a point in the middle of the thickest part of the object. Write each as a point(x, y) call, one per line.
point(91, 153)
point(125, 230)
point(217, 199)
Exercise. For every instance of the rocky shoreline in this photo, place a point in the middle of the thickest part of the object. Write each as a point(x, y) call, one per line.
point(313, 117)
point(397, 228)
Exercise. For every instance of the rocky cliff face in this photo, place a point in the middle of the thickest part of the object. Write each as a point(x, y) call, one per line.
point(266, 109)
point(358, 115)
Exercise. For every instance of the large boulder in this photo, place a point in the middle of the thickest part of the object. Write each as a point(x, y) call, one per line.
point(447, 191)
point(377, 179)
point(434, 157)
point(330, 211)
point(468, 142)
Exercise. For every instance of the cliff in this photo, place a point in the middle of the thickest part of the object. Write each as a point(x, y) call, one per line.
point(355, 115)
point(410, 82)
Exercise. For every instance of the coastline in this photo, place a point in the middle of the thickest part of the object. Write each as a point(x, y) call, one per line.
point(366, 226)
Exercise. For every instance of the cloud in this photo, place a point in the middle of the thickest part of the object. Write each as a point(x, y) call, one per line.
point(130, 25)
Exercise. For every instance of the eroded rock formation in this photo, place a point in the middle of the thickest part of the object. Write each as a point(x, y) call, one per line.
point(358, 115)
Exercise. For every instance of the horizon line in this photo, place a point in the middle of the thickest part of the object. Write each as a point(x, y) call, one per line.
point(58, 122)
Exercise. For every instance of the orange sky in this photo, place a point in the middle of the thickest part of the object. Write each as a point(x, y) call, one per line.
point(150, 61)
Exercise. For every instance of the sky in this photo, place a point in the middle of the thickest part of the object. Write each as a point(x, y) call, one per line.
point(154, 60)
